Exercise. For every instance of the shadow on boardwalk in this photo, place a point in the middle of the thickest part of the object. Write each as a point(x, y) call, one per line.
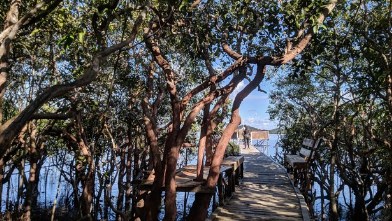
point(266, 193)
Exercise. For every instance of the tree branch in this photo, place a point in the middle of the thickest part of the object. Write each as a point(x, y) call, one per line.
point(293, 51)
point(52, 116)
point(10, 129)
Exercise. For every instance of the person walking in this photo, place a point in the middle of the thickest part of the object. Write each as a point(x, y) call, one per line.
point(247, 137)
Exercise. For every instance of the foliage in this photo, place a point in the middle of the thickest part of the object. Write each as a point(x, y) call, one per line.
point(112, 89)
point(233, 149)
point(332, 93)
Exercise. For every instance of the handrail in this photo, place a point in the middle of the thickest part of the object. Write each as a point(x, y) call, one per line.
point(228, 179)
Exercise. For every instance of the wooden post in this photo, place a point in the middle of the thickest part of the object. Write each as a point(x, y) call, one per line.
point(233, 181)
point(230, 183)
point(237, 176)
point(295, 170)
point(214, 206)
point(242, 170)
point(220, 190)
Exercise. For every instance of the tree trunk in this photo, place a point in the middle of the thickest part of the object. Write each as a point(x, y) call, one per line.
point(170, 185)
point(86, 163)
point(5, 45)
point(1, 180)
point(128, 177)
point(32, 184)
point(31, 191)
point(333, 205)
point(120, 184)
point(202, 143)
point(200, 206)
point(198, 210)
point(210, 143)
point(322, 197)
point(102, 180)
point(88, 190)
point(388, 195)
point(153, 200)
point(21, 183)
point(360, 211)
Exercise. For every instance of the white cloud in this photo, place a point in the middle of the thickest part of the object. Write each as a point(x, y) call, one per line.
point(254, 119)
point(239, 87)
point(257, 96)
point(259, 123)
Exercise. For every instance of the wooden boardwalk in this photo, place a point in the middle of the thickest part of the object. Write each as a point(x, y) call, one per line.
point(185, 176)
point(265, 194)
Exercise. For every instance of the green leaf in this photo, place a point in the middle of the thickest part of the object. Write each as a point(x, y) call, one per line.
point(183, 4)
point(66, 41)
point(315, 29)
point(322, 26)
point(81, 36)
point(35, 31)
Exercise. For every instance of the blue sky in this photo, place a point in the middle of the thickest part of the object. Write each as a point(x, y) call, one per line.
point(253, 109)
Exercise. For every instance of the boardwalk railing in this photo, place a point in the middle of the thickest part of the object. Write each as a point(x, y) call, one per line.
point(265, 194)
point(232, 170)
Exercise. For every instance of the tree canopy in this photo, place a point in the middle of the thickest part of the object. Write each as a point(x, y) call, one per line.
point(340, 91)
point(117, 89)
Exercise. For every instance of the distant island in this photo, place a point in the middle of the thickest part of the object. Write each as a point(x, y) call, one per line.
point(276, 131)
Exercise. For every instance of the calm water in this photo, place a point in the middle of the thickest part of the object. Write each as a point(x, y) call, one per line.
point(269, 147)
point(50, 182)
point(275, 152)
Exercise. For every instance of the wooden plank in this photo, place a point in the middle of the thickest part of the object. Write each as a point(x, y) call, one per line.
point(305, 152)
point(239, 215)
point(185, 179)
point(265, 194)
point(234, 161)
point(265, 213)
point(308, 143)
point(295, 160)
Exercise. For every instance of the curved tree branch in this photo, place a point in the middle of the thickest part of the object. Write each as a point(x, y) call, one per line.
point(10, 129)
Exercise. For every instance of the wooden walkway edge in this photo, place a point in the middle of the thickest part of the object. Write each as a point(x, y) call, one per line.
point(266, 193)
